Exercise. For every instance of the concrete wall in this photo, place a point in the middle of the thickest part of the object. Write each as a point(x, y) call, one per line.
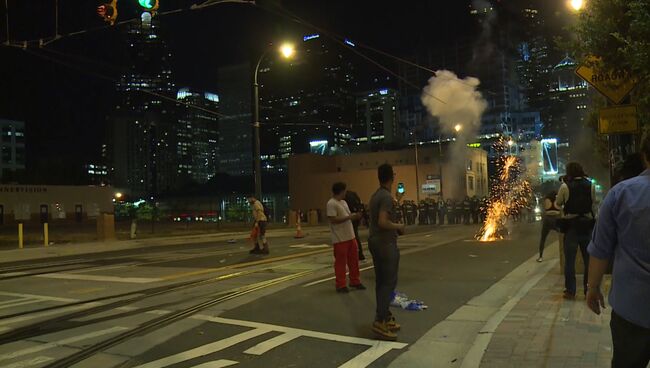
point(23, 202)
point(311, 176)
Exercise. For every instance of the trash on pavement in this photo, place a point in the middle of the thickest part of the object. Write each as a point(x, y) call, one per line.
point(401, 300)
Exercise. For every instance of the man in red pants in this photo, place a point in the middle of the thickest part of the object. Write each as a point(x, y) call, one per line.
point(344, 240)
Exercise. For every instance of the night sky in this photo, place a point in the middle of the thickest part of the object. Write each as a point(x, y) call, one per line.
point(65, 106)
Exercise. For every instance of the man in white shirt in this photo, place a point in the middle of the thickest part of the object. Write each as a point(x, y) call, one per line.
point(343, 239)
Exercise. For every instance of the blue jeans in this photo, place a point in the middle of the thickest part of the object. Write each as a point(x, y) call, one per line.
point(574, 239)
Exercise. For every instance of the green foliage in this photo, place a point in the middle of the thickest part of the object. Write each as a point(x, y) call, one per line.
point(618, 31)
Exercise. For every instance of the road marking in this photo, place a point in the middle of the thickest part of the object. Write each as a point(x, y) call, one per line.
point(273, 343)
point(63, 342)
point(12, 301)
point(30, 362)
point(70, 276)
point(241, 265)
point(309, 246)
point(217, 364)
point(306, 333)
point(367, 357)
point(205, 349)
point(333, 277)
point(86, 290)
point(41, 297)
point(23, 302)
point(48, 313)
point(12, 274)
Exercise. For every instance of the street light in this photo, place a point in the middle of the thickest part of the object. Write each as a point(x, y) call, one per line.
point(577, 5)
point(287, 50)
point(458, 128)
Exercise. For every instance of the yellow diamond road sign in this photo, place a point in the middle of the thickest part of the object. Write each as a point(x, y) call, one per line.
point(618, 120)
point(615, 85)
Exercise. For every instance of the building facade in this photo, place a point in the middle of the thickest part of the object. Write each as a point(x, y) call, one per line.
point(12, 149)
point(376, 125)
point(458, 177)
point(236, 122)
point(141, 139)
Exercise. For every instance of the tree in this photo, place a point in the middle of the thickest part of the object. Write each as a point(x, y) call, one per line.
point(618, 31)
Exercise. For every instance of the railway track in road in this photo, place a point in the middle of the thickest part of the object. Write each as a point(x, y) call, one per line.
point(89, 307)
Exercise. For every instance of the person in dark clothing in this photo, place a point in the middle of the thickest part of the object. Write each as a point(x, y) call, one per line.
point(632, 166)
point(432, 211)
point(422, 213)
point(467, 206)
point(549, 220)
point(355, 205)
point(382, 242)
point(576, 198)
point(475, 208)
point(442, 211)
point(450, 211)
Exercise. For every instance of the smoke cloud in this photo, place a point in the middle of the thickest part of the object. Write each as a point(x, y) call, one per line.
point(458, 106)
point(455, 101)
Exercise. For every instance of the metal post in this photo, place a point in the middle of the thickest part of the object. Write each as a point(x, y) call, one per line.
point(440, 162)
point(7, 20)
point(46, 235)
point(20, 236)
point(256, 131)
point(417, 175)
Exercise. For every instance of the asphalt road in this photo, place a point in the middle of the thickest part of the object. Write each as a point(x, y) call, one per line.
point(213, 305)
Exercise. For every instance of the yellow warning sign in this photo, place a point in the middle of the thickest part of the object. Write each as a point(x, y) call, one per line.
point(613, 84)
point(618, 119)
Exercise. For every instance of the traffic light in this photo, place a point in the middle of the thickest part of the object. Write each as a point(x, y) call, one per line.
point(149, 5)
point(108, 11)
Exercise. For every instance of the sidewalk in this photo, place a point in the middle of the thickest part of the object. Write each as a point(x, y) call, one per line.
point(75, 249)
point(544, 330)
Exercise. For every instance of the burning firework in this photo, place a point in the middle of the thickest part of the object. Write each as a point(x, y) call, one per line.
point(508, 197)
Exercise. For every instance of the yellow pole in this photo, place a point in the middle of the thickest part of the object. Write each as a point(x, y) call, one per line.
point(46, 235)
point(20, 236)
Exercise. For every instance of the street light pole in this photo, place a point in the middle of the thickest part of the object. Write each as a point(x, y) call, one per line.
point(256, 127)
point(417, 175)
point(440, 163)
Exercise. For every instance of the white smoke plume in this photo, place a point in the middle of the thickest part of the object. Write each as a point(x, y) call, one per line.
point(455, 101)
point(458, 106)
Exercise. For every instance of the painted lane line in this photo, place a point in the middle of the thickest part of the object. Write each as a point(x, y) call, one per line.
point(217, 364)
point(309, 246)
point(273, 343)
point(13, 301)
point(306, 333)
point(333, 277)
point(367, 357)
point(24, 302)
point(12, 274)
point(205, 349)
point(30, 362)
point(59, 343)
point(42, 297)
point(48, 313)
point(70, 276)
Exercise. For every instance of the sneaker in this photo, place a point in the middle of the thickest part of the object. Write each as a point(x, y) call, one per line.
point(362, 257)
point(342, 290)
point(255, 251)
point(540, 259)
point(393, 325)
point(358, 287)
point(383, 331)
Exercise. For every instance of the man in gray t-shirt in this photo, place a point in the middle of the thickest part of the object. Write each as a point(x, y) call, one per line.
point(382, 244)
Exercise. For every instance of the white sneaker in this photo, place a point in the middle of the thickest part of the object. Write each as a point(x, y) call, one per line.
point(540, 259)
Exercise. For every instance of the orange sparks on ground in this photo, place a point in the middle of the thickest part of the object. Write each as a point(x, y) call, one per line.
point(510, 195)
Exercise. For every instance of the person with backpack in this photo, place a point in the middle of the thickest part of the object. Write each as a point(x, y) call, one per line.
point(260, 216)
point(576, 198)
point(549, 220)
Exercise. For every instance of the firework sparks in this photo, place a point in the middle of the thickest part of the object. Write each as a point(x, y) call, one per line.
point(508, 197)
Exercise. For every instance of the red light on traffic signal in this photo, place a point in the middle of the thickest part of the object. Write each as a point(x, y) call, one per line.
point(108, 12)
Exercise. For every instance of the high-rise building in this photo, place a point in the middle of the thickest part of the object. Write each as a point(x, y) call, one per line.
point(570, 97)
point(307, 104)
point(235, 124)
point(12, 149)
point(141, 141)
point(197, 135)
point(376, 125)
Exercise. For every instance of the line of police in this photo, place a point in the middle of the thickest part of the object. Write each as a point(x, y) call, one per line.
point(432, 212)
